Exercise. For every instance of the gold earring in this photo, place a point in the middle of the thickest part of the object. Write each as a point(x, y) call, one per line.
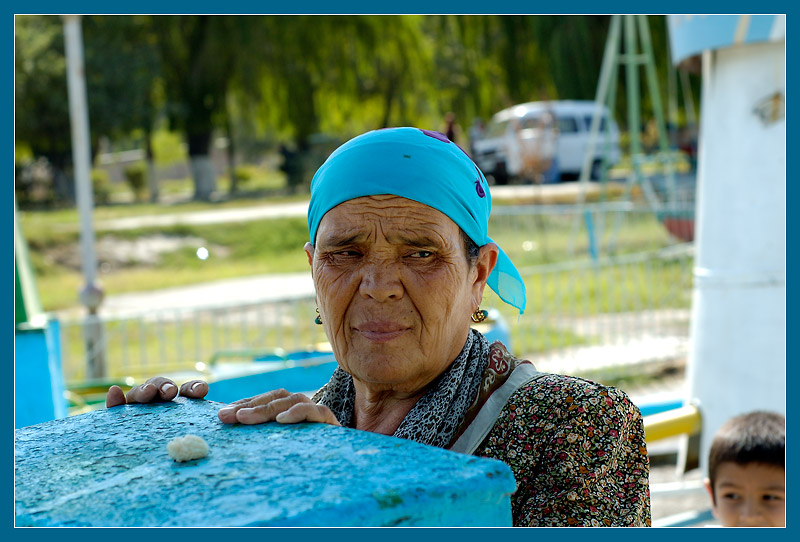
point(318, 319)
point(479, 316)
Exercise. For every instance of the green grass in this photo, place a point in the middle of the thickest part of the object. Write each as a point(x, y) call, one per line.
point(236, 250)
point(275, 246)
point(587, 292)
point(537, 239)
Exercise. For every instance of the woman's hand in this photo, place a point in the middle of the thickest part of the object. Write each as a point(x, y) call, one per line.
point(279, 406)
point(156, 389)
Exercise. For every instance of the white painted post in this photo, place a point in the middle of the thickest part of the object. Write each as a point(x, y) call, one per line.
point(737, 361)
point(91, 295)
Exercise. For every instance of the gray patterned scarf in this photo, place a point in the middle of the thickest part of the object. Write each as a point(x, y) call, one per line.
point(438, 414)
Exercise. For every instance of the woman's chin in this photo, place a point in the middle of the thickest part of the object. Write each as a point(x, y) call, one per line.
point(383, 337)
point(382, 370)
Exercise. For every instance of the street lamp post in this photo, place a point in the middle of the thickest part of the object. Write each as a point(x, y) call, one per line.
point(91, 294)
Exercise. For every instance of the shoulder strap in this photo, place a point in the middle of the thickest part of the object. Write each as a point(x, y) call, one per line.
point(474, 434)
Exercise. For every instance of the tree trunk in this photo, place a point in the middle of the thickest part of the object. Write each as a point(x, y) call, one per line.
point(231, 152)
point(205, 181)
point(151, 167)
point(63, 179)
point(388, 100)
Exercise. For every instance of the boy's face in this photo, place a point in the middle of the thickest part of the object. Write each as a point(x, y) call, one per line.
point(750, 495)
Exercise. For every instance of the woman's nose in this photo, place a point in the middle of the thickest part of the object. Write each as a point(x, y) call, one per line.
point(381, 281)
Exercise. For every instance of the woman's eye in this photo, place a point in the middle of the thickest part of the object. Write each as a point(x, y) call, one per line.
point(421, 254)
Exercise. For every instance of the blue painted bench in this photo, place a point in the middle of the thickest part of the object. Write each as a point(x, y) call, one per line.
point(111, 468)
point(38, 382)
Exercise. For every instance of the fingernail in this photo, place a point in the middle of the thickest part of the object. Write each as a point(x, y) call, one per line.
point(226, 410)
point(281, 416)
point(195, 385)
point(167, 386)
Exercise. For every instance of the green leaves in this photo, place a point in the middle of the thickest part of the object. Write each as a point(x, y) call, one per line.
point(275, 78)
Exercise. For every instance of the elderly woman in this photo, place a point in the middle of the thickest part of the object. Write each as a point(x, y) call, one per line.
point(400, 256)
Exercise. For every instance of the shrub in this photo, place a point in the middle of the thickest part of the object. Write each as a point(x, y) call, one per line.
point(244, 174)
point(101, 187)
point(135, 175)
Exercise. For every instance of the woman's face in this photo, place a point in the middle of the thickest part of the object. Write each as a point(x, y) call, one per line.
point(395, 290)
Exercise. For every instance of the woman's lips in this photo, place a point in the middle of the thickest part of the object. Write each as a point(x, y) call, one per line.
point(380, 331)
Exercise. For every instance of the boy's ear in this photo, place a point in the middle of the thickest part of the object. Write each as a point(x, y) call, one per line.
point(707, 483)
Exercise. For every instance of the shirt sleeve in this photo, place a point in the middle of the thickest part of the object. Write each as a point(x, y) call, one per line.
point(578, 453)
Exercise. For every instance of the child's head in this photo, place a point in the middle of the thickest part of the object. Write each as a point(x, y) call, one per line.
point(746, 471)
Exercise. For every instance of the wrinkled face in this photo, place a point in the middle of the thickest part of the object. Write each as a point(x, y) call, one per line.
point(750, 495)
point(395, 290)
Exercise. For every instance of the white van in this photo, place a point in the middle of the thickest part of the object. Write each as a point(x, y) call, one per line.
point(546, 139)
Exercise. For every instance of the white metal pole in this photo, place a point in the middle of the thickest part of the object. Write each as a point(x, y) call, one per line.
point(91, 295)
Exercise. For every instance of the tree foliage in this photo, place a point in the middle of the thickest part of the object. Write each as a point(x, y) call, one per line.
point(40, 87)
point(286, 78)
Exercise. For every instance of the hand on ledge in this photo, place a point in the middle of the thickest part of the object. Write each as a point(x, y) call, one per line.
point(279, 406)
point(156, 389)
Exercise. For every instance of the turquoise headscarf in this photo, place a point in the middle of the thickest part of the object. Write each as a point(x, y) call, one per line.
point(419, 165)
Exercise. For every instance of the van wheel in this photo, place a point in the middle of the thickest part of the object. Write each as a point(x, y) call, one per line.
point(597, 170)
point(500, 178)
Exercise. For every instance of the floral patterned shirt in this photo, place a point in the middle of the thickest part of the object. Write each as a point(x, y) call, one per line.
point(578, 453)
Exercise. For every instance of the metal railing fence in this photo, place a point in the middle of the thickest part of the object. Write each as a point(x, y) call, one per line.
point(604, 281)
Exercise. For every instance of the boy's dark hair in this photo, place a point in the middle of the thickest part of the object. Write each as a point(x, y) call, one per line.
point(755, 437)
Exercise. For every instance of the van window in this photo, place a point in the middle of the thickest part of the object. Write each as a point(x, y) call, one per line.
point(530, 121)
point(496, 128)
point(567, 125)
point(588, 119)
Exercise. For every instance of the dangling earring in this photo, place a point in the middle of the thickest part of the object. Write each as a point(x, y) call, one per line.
point(318, 319)
point(479, 316)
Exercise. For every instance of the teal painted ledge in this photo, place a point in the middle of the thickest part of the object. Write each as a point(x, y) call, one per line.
point(111, 468)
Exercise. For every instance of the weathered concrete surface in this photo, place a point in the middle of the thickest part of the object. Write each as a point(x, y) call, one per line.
point(111, 468)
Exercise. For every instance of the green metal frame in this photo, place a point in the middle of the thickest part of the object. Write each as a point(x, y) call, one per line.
point(27, 307)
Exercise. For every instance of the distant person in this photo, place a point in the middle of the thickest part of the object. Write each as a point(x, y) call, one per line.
point(537, 141)
point(292, 166)
point(451, 128)
point(687, 143)
point(476, 133)
point(548, 126)
point(746, 471)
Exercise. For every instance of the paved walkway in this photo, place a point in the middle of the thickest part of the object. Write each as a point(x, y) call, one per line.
point(230, 291)
point(211, 216)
